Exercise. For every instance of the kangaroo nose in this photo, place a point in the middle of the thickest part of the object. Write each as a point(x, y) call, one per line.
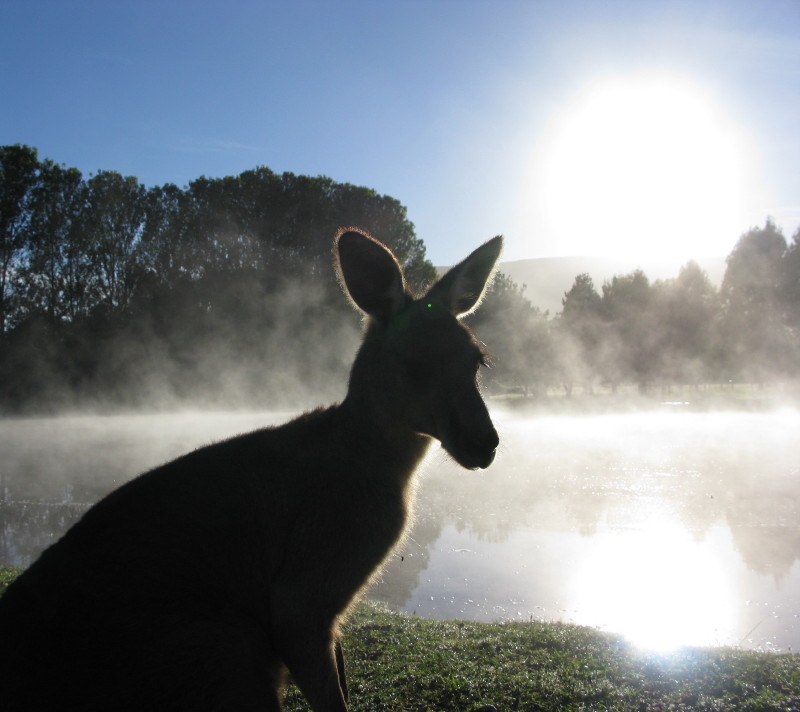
point(488, 439)
point(487, 444)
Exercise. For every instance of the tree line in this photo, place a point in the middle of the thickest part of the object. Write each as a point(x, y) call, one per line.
point(669, 332)
point(113, 294)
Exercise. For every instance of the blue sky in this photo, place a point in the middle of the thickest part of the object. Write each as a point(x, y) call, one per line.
point(452, 107)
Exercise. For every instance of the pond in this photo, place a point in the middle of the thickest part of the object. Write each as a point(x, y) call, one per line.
point(668, 527)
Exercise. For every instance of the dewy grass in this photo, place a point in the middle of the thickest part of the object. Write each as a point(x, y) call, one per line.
point(401, 662)
point(7, 575)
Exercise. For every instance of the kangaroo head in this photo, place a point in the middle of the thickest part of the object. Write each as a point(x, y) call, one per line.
point(418, 365)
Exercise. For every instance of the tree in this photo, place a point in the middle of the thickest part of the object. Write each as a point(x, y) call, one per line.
point(790, 286)
point(518, 335)
point(627, 350)
point(684, 312)
point(164, 250)
point(54, 279)
point(752, 277)
point(756, 340)
point(282, 224)
point(113, 222)
point(580, 328)
point(19, 168)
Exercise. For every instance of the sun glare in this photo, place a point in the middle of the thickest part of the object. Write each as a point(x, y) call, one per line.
point(659, 589)
point(643, 167)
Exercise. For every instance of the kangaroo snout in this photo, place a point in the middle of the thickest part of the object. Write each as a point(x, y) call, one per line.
point(475, 450)
point(486, 448)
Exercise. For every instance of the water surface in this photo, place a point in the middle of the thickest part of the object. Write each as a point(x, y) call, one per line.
point(671, 528)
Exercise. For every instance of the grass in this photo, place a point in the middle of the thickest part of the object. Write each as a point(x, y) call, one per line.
point(401, 662)
point(7, 575)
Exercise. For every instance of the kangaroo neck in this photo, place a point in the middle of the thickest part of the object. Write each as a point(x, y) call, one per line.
point(385, 434)
point(374, 403)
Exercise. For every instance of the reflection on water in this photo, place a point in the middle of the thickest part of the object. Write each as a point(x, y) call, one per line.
point(661, 587)
point(671, 528)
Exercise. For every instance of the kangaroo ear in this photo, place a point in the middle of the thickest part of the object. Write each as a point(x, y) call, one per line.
point(369, 273)
point(463, 287)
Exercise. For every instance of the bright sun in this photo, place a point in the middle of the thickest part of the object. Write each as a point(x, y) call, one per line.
point(642, 167)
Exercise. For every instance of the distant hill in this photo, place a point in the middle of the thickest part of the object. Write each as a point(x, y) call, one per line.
point(547, 278)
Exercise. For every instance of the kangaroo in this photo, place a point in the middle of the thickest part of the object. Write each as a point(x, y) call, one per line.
point(198, 585)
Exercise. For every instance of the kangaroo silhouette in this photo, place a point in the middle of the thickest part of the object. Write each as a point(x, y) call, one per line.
point(197, 585)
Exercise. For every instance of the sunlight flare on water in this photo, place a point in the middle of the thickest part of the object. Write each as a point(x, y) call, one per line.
point(661, 589)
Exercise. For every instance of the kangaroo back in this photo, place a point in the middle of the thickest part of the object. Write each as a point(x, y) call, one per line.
point(198, 584)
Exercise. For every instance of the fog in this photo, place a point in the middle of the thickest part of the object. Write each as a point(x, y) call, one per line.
point(242, 344)
point(668, 526)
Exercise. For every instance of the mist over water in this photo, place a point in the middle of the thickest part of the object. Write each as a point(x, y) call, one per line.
point(669, 527)
point(672, 528)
